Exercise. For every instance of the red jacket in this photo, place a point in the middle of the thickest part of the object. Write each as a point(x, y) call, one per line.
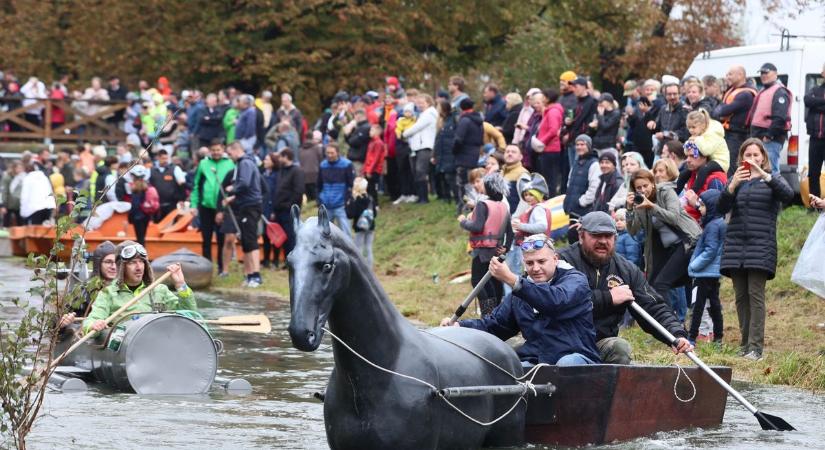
point(389, 133)
point(719, 181)
point(374, 165)
point(551, 123)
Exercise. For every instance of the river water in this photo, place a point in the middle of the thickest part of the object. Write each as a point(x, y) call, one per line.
point(281, 412)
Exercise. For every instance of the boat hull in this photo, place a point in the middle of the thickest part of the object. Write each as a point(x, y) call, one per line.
point(597, 404)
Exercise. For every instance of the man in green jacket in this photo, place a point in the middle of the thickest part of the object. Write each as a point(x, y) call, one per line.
point(204, 198)
point(133, 274)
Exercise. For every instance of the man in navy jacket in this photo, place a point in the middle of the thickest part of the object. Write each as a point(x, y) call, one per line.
point(551, 307)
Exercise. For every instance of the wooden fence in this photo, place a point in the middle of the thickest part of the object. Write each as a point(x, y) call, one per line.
point(86, 120)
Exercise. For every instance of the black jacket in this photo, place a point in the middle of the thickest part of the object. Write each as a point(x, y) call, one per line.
point(358, 142)
point(290, 188)
point(495, 111)
point(737, 110)
point(211, 125)
point(750, 241)
point(815, 112)
point(607, 129)
point(444, 141)
point(618, 271)
point(779, 115)
point(356, 206)
point(508, 128)
point(582, 116)
point(673, 119)
point(642, 137)
point(469, 137)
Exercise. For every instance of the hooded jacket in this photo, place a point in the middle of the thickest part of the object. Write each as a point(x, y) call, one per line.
point(469, 137)
point(712, 144)
point(617, 271)
point(707, 256)
point(555, 318)
point(582, 185)
point(607, 129)
point(444, 142)
point(208, 177)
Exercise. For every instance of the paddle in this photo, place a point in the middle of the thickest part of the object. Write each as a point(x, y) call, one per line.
point(473, 294)
point(250, 324)
point(56, 361)
point(767, 421)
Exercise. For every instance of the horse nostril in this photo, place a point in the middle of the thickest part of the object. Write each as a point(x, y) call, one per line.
point(311, 338)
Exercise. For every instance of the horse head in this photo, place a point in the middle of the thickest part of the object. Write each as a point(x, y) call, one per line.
point(319, 269)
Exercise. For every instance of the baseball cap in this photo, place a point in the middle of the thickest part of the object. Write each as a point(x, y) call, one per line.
point(629, 87)
point(598, 222)
point(580, 81)
point(767, 67)
point(568, 76)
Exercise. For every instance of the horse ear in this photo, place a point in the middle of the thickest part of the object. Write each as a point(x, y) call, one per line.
point(295, 212)
point(323, 220)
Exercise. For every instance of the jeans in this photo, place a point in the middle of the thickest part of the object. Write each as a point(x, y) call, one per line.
point(677, 300)
point(207, 227)
point(574, 359)
point(514, 263)
point(816, 154)
point(614, 350)
point(340, 214)
point(551, 169)
point(774, 148)
point(363, 241)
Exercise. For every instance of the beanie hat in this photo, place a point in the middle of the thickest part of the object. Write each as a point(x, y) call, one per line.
point(103, 250)
point(609, 155)
point(586, 139)
point(409, 107)
point(568, 76)
point(466, 104)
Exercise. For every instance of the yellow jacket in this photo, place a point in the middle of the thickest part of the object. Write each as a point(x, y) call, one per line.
point(712, 144)
point(493, 136)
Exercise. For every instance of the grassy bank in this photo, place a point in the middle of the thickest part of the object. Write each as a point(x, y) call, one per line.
point(416, 244)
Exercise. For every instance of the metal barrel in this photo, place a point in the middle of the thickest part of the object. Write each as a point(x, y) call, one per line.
point(233, 385)
point(158, 354)
point(66, 384)
point(479, 391)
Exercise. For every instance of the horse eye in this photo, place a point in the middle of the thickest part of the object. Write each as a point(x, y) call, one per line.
point(327, 268)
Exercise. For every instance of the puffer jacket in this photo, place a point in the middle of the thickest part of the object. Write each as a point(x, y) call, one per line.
point(707, 256)
point(469, 137)
point(669, 210)
point(443, 150)
point(750, 240)
point(712, 144)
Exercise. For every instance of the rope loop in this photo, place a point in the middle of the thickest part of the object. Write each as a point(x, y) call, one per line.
point(679, 372)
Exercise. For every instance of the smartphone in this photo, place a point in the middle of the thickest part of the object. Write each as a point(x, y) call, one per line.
point(746, 165)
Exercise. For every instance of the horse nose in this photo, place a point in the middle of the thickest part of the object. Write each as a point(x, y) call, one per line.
point(311, 338)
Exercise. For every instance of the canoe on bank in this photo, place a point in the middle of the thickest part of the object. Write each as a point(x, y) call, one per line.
point(153, 353)
point(603, 403)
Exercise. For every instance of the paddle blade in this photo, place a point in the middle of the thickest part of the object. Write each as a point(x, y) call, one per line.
point(770, 422)
point(249, 324)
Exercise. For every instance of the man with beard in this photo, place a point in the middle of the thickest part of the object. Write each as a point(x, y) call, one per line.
point(616, 281)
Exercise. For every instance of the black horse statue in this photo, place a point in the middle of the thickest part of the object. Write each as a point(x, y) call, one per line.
point(365, 407)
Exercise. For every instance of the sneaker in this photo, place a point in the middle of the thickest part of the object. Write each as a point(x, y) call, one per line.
point(223, 274)
point(399, 200)
point(411, 199)
point(253, 283)
point(753, 356)
point(705, 337)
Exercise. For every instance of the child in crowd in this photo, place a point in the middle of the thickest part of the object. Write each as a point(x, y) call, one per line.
point(406, 121)
point(374, 164)
point(474, 190)
point(709, 136)
point(361, 211)
point(704, 266)
point(626, 243)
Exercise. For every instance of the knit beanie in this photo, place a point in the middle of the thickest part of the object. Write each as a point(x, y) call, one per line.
point(609, 155)
point(586, 139)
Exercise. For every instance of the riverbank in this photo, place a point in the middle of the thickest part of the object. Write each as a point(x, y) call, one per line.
point(419, 248)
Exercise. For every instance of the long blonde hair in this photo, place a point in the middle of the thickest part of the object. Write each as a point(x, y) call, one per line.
point(359, 187)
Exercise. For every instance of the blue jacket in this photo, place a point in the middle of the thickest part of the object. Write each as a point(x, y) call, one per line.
point(271, 180)
point(246, 124)
point(495, 111)
point(629, 247)
point(335, 182)
point(707, 256)
point(555, 318)
point(247, 184)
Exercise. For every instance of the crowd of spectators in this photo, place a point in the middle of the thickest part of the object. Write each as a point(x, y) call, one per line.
point(233, 158)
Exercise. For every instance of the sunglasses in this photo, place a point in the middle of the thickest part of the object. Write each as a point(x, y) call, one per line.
point(534, 245)
point(130, 251)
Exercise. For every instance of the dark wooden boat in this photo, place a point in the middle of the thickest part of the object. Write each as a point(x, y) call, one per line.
point(598, 404)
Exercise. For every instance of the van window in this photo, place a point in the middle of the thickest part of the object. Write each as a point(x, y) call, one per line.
point(812, 80)
point(758, 82)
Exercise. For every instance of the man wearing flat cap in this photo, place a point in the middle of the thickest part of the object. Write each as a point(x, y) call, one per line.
point(614, 282)
point(770, 115)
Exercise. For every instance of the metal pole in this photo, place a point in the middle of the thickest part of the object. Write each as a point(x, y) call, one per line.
point(479, 391)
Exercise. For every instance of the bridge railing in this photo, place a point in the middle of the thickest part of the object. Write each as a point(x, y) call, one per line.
point(87, 120)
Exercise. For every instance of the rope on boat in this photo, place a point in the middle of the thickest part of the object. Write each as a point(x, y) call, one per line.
point(679, 372)
point(526, 385)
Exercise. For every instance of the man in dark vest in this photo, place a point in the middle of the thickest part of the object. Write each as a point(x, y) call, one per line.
point(289, 191)
point(770, 116)
point(170, 182)
point(733, 111)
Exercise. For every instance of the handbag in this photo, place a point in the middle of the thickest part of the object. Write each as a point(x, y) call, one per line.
point(536, 144)
point(276, 234)
point(666, 233)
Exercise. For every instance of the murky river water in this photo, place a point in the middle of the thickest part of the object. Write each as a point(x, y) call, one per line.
point(281, 413)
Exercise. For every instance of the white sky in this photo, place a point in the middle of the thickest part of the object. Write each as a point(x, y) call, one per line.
point(758, 30)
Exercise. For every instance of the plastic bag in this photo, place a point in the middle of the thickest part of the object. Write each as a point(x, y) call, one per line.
point(809, 271)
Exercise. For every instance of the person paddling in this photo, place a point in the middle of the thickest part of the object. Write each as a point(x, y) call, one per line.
point(133, 274)
point(104, 267)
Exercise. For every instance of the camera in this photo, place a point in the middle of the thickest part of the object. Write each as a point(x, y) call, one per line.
point(638, 198)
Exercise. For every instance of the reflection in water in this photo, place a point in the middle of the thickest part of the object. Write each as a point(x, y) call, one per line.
point(281, 413)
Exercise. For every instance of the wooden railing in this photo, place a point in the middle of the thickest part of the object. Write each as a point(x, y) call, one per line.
point(93, 127)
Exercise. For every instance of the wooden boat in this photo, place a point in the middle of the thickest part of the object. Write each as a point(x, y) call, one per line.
point(598, 404)
point(151, 353)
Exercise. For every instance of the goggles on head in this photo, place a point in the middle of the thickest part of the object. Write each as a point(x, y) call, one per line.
point(529, 246)
point(130, 251)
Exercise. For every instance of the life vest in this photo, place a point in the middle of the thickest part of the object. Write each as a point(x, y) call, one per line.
point(760, 113)
point(525, 218)
point(691, 210)
point(728, 99)
point(492, 234)
point(165, 183)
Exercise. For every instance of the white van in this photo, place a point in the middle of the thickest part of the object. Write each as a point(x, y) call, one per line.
point(799, 63)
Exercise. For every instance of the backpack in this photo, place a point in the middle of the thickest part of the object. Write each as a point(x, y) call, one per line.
point(151, 201)
point(366, 219)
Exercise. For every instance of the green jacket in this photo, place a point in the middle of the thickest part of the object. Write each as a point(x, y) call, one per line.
point(112, 297)
point(208, 178)
point(230, 119)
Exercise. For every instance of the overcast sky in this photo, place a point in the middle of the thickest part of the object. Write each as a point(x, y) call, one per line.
point(757, 30)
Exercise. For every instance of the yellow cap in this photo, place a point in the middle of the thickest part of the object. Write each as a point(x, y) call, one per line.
point(568, 76)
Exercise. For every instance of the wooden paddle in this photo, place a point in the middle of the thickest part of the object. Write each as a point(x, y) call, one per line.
point(767, 421)
point(113, 316)
point(249, 324)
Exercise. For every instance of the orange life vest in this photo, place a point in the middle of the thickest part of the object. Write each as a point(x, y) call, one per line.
point(730, 96)
point(492, 235)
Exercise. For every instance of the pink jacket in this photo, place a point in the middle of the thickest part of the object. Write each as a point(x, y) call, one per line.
point(551, 122)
